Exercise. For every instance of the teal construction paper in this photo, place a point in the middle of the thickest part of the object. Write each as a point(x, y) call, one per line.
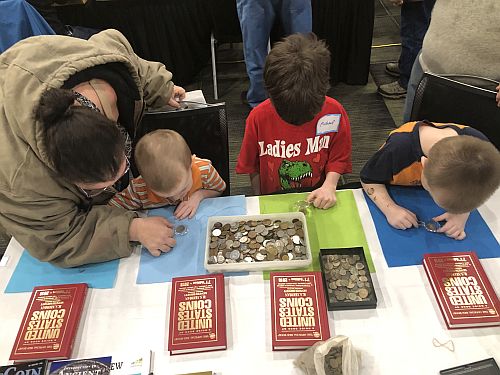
point(30, 272)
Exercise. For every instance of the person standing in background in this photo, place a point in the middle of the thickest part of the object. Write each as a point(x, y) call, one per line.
point(415, 18)
point(256, 20)
point(462, 39)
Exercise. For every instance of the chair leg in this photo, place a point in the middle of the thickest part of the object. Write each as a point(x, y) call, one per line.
point(214, 67)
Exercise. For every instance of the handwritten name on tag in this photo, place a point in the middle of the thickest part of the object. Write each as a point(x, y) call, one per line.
point(328, 124)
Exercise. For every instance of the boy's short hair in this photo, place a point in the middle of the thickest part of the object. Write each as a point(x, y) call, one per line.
point(297, 77)
point(466, 168)
point(162, 157)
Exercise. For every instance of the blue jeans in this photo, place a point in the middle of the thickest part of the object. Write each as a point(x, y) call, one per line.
point(416, 76)
point(415, 17)
point(256, 20)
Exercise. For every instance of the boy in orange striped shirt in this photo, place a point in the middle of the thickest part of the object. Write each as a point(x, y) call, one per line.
point(170, 175)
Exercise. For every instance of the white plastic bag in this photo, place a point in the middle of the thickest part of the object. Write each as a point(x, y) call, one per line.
point(338, 352)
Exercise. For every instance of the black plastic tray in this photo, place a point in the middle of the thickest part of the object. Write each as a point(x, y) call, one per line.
point(368, 303)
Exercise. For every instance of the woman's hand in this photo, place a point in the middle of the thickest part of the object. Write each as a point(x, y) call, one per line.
point(154, 233)
point(178, 94)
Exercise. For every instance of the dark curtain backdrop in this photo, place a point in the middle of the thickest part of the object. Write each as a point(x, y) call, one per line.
point(177, 32)
point(347, 27)
point(174, 32)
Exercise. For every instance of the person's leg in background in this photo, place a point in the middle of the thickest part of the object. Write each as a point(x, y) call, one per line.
point(256, 20)
point(417, 72)
point(296, 16)
point(415, 77)
point(414, 24)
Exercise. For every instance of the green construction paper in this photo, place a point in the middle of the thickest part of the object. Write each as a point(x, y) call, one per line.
point(339, 226)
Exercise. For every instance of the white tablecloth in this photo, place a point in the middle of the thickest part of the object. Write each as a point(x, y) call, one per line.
point(395, 338)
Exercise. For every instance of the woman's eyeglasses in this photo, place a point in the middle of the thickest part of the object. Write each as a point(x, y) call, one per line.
point(91, 193)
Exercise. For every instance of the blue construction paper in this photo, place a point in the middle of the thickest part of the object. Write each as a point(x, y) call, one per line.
point(188, 255)
point(30, 272)
point(407, 247)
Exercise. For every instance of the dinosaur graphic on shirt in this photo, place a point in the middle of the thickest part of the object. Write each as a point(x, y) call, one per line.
point(292, 173)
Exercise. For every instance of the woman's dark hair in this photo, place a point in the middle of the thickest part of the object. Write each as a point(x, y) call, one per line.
point(83, 145)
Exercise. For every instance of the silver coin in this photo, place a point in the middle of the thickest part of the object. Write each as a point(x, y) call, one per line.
point(260, 256)
point(181, 230)
point(260, 228)
point(296, 240)
point(220, 259)
point(234, 255)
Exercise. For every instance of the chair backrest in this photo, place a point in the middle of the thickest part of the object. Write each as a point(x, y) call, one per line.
point(451, 99)
point(226, 25)
point(204, 129)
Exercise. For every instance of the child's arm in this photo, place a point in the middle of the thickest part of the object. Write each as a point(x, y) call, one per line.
point(397, 216)
point(255, 182)
point(212, 186)
point(324, 197)
point(455, 225)
point(188, 208)
point(128, 198)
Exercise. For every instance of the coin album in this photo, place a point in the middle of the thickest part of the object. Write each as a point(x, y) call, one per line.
point(347, 280)
point(257, 242)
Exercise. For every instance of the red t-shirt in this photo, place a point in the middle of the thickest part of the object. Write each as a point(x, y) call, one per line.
point(288, 156)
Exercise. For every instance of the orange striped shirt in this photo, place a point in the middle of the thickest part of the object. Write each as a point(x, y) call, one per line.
point(138, 196)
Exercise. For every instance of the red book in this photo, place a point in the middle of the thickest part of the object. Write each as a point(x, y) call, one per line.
point(462, 289)
point(197, 314)
point(50, 322)
point(298, 310)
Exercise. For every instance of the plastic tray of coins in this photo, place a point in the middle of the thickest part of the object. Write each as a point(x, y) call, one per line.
point(347, 280)
point(257, 242)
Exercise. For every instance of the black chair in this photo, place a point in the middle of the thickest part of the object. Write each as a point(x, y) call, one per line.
point(225, 29)
point(458, 99)
point(204, 129)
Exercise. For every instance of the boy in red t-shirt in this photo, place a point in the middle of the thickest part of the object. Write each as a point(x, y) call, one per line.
point(299, 137)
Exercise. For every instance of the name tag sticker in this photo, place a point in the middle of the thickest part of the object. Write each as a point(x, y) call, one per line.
point(328, 124)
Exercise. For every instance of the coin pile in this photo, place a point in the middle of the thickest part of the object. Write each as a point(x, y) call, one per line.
point(333, 361)
point(346, 277)
point(257, 241)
